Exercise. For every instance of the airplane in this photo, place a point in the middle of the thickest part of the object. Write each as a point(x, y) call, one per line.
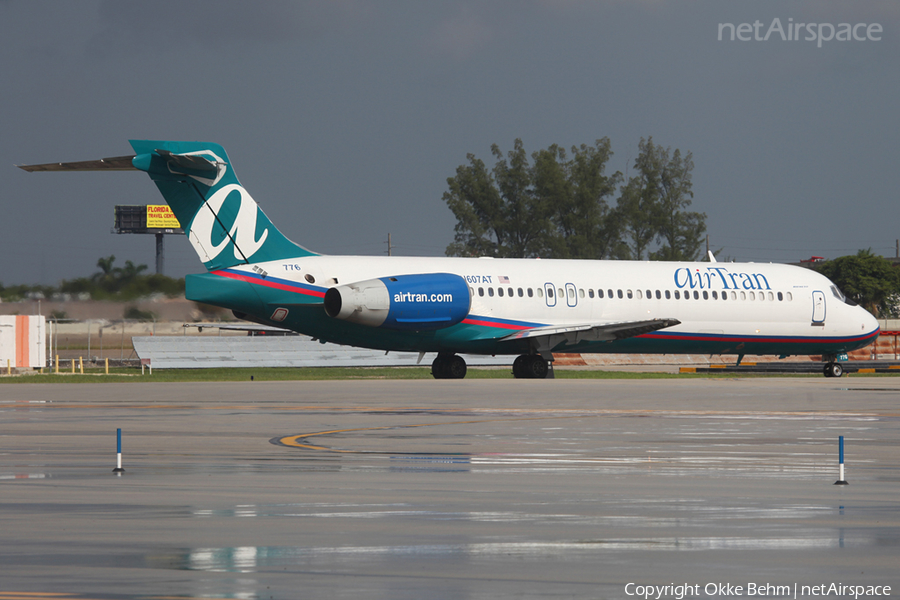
point(528, 308)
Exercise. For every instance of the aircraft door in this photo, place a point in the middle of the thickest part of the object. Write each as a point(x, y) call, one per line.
point(571, 295)
point(818, 316)
point(550, 294)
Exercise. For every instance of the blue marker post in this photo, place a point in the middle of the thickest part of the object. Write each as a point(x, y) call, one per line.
point(841, 481)
point(118, 470)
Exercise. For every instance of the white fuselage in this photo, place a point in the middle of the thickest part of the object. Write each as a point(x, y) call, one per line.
point(737, 299)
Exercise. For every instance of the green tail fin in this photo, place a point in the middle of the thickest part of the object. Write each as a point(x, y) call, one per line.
point(222, 221)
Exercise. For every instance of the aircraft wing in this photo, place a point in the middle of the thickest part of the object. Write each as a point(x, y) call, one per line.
point(552, 335)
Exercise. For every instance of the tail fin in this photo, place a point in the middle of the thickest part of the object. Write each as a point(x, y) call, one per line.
point(224, 224)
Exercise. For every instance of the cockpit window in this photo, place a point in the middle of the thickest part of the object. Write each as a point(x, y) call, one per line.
point(840, 296)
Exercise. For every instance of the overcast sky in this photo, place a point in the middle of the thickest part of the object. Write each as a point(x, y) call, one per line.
point(344, 118)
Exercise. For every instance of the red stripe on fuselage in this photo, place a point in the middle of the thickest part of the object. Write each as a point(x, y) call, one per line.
point(270, 284)
point(494, 324)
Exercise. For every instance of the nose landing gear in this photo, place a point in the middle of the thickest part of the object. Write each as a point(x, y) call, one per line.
point(833, 369)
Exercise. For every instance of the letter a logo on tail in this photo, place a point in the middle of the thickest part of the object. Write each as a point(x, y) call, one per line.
point(242, 233)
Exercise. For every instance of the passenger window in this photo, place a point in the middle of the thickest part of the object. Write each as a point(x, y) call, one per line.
point(669, 295)
point(677, 295)
point(771, 296)
point(471, 291)
point(630, 294)
point(658, 295)
point(560, 292)
point(540, 292)
point(549, 292)
point(481, 291)
point(649, 294)
point(638, 294)
point(491, 292)
point(599, 293)
point(724, 295)
point(780, 297)
point(696, 295)
point(715, 295)
point(610, 293)
point(581, 294)
point(521, 293)
point(705, 295)
point(530, 293)
point(500, 292)
point(590, 293)
point(790, 296)
point(753, 295)
point(619, 294)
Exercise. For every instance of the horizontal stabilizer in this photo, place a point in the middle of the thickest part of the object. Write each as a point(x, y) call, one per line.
point(188, 162)
point(263, 329)
point(118, 163)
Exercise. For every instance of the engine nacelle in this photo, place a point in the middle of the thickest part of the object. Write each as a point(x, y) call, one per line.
point(418, 302)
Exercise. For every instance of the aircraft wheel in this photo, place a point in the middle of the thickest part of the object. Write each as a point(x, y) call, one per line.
point(537, 367)
point(520, 367)
point(448, 366)
point(833, 369)
point(439, 368)
point(456, 367)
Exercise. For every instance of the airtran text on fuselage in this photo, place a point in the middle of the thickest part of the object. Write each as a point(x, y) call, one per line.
point(719, 278)
point(410, 297)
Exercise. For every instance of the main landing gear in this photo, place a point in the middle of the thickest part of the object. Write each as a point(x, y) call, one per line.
point(833, 369)
point(448, 366)
point(527, 366)
point(531, 366)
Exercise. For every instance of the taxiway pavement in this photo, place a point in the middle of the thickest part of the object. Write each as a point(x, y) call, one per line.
point(447, 489)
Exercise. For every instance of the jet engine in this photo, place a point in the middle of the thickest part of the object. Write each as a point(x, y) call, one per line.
point(410, 302)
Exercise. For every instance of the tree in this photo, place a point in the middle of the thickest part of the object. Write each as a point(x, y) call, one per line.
point(109, 283)
point(868, 279)
point(556, 207)
point(559, 205)
point(654, 202)
point(106, 268)
point(638, 209)
point(497, 213)
point(576, 192)
point(526, 215)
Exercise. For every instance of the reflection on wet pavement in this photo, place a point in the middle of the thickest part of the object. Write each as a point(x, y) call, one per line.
point(476, 497)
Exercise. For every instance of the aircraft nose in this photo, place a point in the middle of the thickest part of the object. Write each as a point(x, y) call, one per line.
point(869, 322)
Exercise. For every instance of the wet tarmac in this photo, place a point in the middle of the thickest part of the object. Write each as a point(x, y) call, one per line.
point(449, 489)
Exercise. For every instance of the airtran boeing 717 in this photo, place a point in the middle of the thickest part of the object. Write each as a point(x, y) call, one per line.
point(529, 308)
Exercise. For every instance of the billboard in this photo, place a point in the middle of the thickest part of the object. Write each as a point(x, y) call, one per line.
point(142, 218)
point(161, 217)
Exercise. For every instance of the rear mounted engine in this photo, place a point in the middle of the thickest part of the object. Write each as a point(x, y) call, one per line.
point(417, 302)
